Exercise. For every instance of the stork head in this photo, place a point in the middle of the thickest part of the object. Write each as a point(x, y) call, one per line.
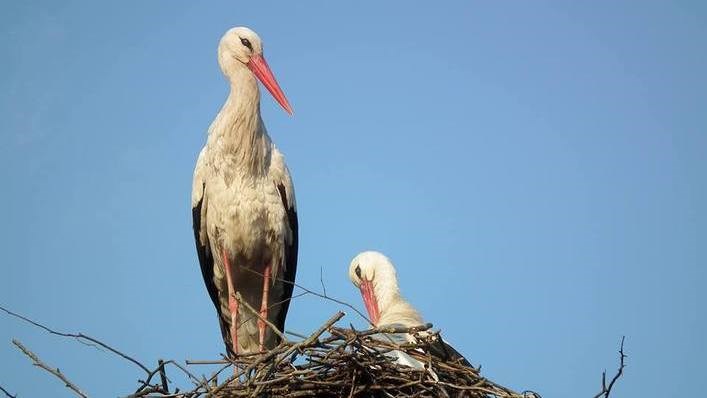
point(374, 274)
point(241, 47)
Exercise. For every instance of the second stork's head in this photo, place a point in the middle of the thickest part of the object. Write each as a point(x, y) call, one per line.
point(240, 49)
point(373, 273)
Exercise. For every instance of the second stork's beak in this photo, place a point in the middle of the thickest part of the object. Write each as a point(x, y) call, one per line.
point(370, 301)
point(261, 70)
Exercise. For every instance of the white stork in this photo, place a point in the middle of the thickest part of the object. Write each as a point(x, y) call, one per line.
point(243, 204)
point(374, 274)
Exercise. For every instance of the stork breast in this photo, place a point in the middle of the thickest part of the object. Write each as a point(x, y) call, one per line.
point(248, 218)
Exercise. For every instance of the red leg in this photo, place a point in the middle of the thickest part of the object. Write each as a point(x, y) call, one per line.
point(232, 302)
point(264, 306)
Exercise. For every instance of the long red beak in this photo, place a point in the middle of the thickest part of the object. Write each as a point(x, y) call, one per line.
point(370, 301)
point(261, 70)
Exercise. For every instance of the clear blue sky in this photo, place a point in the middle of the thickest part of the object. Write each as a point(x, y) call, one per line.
point(536, 170)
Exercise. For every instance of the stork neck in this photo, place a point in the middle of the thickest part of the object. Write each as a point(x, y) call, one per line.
point(386, 288)
point(238, 132)
point(392, 305)
point(396, 310)
point(389, 300)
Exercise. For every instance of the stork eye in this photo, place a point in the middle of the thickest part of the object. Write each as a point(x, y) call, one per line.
point(246, 43)
point(358, 271)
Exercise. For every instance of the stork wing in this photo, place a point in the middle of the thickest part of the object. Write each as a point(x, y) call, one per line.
point(203, 247)
point(400, 357)
point(441, 349)
point(438, 347)
point(281, 178)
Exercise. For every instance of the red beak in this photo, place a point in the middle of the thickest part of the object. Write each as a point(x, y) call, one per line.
point(261, 70)
point(370, 301)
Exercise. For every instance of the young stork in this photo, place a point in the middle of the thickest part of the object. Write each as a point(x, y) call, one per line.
point(243, 204)
point(374, 274)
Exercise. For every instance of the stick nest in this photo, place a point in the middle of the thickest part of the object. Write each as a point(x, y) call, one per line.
point(338, 362)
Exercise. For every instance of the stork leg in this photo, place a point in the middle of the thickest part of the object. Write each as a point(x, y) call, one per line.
point(264, 306)
point(232, 302)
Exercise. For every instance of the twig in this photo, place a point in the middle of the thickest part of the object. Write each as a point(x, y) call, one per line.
point(327, 297)
point(606, 390)
point(321, 279)
point(320, 295)
point(193, 378)
point(163, 375)
point(78, 336)
point(314, 336)
point(257, 313)
point(37, 362)
point(7, 393)
point(301, 336)
point(386, 329)
point(207, 362)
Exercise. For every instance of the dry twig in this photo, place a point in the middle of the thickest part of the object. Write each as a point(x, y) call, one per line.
point(7, 393)
point(606, 390)
point(324, 295)
point(55, 371)
point(80, 337)
point(257, 314)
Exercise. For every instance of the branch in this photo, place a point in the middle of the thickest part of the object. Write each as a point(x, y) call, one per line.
point(321, 279)
point(257, 313)
point(320, 295)
point(37, 362)
point(606, 390)
point(7, 393)
point(78, 336)
point(163, 375)
point(327, 297)
point(387, 329)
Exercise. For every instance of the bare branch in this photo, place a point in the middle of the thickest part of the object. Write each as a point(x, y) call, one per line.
point(37, 362)
point(7, 393)
point(207, 361)
point(606, 390)
point(82, 338)
point(321, 279)
point(320, 295)
point(257, 313)
point(326, 297)
point(301, 336)
point(163, 375)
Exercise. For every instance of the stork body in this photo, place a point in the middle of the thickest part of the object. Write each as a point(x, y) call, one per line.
point(243, 205)
point(374, 274)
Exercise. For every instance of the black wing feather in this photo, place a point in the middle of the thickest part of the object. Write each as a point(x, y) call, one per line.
point(441, 349)
point(206, 260)
point(290, 259)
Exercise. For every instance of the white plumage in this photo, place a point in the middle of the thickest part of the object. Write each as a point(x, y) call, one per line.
point(243, 204)
point(374, 274)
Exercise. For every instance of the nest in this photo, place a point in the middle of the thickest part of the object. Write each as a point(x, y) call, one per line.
point(340, 362)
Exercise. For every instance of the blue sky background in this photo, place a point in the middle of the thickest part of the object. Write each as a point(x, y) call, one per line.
point(536, 170)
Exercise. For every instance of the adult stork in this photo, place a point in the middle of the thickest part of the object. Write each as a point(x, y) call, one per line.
point(374, 274)
point(243, 204)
